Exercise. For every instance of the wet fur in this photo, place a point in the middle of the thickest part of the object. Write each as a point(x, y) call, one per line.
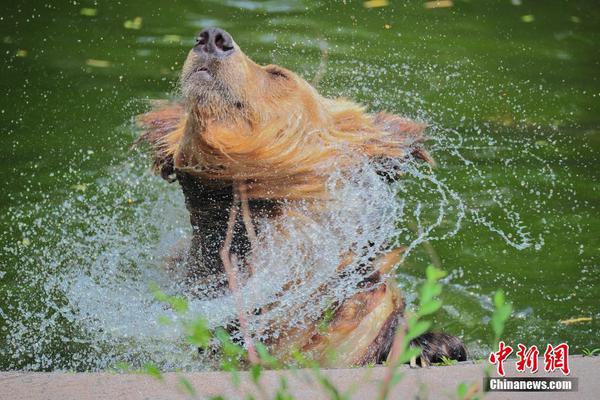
point(275, 133)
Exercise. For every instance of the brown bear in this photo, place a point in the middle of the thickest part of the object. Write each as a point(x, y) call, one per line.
point(254, 149)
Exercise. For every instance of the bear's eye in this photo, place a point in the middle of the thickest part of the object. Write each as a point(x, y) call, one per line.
point(277, 73)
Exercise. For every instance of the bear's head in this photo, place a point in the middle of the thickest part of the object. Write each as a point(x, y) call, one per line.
point(266, 126)
point(226, 85)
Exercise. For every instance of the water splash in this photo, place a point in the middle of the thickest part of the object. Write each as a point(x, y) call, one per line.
point(90, 260)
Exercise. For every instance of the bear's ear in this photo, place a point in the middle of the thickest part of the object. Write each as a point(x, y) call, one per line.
point(159, 126)
point(404, 137)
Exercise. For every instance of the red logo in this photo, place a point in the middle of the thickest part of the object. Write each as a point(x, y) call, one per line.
point(498, 357)
point(555, 358)
point(528, 358)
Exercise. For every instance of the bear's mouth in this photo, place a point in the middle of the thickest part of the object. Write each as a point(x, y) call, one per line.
point(202, 72)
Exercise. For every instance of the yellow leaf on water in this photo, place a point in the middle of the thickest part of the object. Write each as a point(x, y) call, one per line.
point(439, 4)
point(89, 12)
point(172, 39)
point(528, 18)
point(80, 187)
point(135, 23)
point(97, 63)
point(375, 3)
point(575, 320)
point(21, 53)
point(387, 26)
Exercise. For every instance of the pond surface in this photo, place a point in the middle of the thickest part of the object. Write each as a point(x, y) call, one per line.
point(510, 90)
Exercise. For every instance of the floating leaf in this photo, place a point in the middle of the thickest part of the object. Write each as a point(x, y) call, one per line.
point(171, 39)
point(438, 4)
point(528, 18)
point(376, 3)
point(21, 53)
point(575, 320)
point(97, 63)
point(88, 12)
point(135, 23)
point(387, 26)
point(80, 187)
point(575, 19)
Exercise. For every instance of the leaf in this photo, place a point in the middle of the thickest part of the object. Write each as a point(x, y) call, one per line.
point(88, 12)
point(376, 3)
point(255, 372)
point(171, 38)
point(198, 333)
point(187, 386)
point(499, 299)
point(179, 304)
point(153, 371)
point(97, 63)
point(461, 390)
point(397, 377)
point(501, 313)
point(417, 330)
point(575, 320)
point(135, 23)
point(122, 366)
point(528, 18)
point(265, 357)
point(433, 273)
point(438, 4)
point(428, 291)
point(430, 308)
point(411, 352)
point(80, 187)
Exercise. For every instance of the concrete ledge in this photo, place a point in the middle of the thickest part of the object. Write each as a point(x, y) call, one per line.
point(432, 383)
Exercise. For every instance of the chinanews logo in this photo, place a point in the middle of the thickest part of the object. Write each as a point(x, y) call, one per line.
point(555, 358)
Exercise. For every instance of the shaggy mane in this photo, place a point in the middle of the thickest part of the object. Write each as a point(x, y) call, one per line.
point(288, 158)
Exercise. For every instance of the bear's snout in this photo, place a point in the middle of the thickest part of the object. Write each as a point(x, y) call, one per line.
point(215, 42)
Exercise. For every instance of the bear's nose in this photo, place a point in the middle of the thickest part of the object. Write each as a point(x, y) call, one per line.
point(214, 41)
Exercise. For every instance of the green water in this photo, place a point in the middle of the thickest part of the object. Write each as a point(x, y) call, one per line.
point(511, 92)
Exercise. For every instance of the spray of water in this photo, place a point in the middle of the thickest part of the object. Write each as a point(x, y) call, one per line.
point(84, 265)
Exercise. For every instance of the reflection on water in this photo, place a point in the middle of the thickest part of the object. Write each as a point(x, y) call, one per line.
point(511, 204)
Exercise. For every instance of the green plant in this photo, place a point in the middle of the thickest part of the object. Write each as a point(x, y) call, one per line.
point(402, 351)
point(235, 357)
point(590, 352)
point(445, 362)
point(502, 311)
